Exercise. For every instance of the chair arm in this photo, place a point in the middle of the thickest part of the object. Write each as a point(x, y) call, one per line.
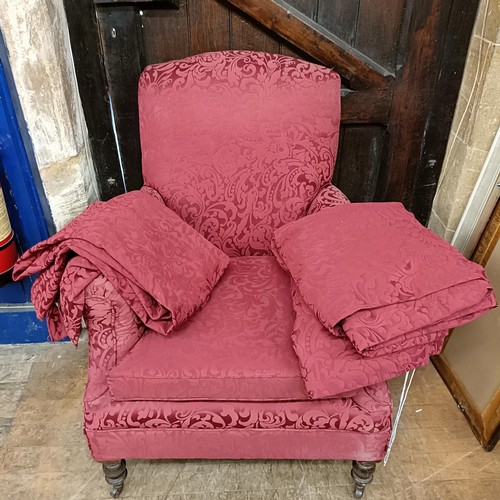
point(113, 329)
point(329, 196)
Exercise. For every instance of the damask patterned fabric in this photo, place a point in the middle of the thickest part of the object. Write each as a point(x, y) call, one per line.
point(361, 423)
point(235, 444)
point(162, 267)
point(329, 196)
point(367, 410)
point(330, 365)
point(352, 427)
point(238, 347)
point(113, 329)
point(239, 143)
point(391, 283)
point(357, 428)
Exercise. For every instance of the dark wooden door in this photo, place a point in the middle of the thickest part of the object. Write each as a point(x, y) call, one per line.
point(401, 63)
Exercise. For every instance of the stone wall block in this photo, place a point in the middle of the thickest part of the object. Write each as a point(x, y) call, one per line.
point(37, 39)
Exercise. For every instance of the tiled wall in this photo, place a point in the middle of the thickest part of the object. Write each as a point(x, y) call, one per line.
point(476, 120)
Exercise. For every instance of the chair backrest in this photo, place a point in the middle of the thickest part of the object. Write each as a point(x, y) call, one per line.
point(238, 143)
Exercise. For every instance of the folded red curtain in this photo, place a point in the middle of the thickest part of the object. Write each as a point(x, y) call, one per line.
point(331, 366)
point(373, 275)
point(162, 267)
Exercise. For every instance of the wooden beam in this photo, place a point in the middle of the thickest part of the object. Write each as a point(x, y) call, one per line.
point(313, 39)
point(366, 107)
point(444, 97)
point(425, 32)
point(419, 124)
point(172, 4)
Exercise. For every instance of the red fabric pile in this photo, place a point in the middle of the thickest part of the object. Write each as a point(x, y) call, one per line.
point(375, 293)
point(163, 268)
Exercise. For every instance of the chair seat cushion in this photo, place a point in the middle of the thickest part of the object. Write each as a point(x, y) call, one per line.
point(238, 347)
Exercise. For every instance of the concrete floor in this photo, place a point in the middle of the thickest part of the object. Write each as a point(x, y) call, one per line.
point(43, 453)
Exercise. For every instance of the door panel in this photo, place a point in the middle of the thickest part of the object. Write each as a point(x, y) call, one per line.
point(246, 34)
point(377, 30)
point(361, 151)
point(121, 37)
point(165, 34)
point(339, 18)
point(394, 58)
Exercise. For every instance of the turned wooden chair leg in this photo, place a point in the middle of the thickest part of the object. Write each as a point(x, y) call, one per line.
point(115, 474)
point(362, 473)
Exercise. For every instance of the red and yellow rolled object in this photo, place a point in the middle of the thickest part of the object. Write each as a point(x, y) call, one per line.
point(8, 249)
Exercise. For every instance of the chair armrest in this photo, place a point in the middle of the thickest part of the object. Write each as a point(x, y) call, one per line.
point(329, 196)
point(113, 329)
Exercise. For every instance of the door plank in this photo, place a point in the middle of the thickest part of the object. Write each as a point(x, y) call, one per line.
point(412, 99)
point(209, 26)
point(92, 86)
point(378, 29)
point(305, 34)
point(445, 95)
point(339, 18)
point(308, 7)
point(247, 35)
point(122, 45)
point(359, 159)
point(166, 34)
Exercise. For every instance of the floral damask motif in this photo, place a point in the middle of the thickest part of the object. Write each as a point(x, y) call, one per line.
point(361, 420)
point(330, 364)
point(329, 196)
point(236, 176)
point(238, 347)
point(152, 192)
point(397, 327)
point(240, 71)
point(392, 284)
point(231, 443)
point(366, 411)
point(162, 267)
point(113, 329)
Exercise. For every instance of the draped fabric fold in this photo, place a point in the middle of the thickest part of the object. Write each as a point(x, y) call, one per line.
point(375, 293)
point(162, 267)
point(330, 365)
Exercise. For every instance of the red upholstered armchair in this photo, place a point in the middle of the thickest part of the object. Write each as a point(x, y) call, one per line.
point(237, 144)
